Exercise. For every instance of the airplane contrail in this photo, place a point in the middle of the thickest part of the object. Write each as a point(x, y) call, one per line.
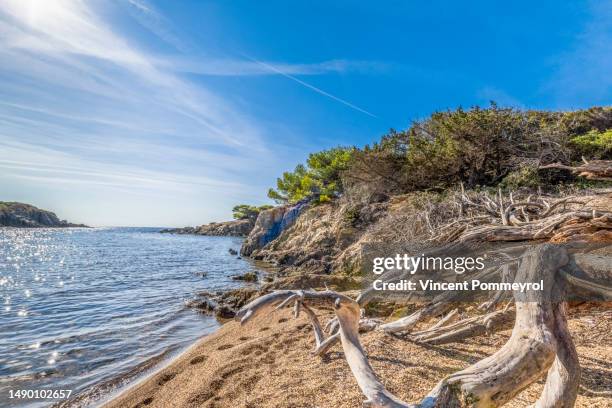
point(312, 87)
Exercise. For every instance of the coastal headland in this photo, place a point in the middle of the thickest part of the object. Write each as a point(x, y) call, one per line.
point(20, 215)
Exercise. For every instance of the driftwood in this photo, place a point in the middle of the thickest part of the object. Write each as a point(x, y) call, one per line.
point(466, 328)
point(591, 170)
point(406, 323)
point(540, 343)
point(531, 218)
point(439, 305)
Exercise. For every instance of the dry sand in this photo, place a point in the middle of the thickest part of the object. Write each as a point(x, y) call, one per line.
point(267, 363)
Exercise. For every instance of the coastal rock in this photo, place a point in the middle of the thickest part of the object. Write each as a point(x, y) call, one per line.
point(223, 304)
point(184, 230)
point(334, 238)
point(323, 239)
point(203, 305)
point(224, 313)
point(237, 228)
point(270, 224)
point(247, 277)
point(20, 215)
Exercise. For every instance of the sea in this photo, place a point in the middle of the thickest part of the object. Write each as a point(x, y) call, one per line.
point(91, 310)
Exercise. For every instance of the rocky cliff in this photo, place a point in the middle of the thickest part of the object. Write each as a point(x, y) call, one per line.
point(13, 214)
point(237, 228)
point(334, 237)
point(269, 226)
point(314, 239)
point(326, 245)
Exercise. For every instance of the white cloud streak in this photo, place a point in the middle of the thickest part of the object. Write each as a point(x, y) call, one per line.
point(314, 88)
point(86, 112)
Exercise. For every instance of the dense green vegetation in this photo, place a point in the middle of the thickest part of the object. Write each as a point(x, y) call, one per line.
point(320, 179)
point(245, 211)
point(481, 147)
point(478, 147)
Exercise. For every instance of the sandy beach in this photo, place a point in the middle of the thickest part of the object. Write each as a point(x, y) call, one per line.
point(267, 363)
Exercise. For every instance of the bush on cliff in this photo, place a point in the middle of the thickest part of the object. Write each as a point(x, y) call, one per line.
point(320, 179)
point(477, 147)
point(245, 211)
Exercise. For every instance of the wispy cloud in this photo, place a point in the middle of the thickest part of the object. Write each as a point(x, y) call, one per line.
point(246, 67)
point(148, 16)
point(143, 6)
point(62, 44)
point(85, 105)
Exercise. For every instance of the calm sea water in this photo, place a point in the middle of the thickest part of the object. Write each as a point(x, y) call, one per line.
point(91, 309)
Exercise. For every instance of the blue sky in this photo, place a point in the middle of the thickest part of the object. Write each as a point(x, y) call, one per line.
point(167, 113)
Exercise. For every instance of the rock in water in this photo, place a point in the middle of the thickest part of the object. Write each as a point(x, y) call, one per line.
point(247, 277)
point(237, 228)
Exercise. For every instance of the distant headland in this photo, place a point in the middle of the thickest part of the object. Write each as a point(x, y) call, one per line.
point(20, 215)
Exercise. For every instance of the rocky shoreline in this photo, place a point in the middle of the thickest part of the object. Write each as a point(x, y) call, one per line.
point(237, 228)
point(20, 215)
point(322, 246)
point(319, 246)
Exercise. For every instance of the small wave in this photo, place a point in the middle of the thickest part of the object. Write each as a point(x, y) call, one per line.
point(101, 390)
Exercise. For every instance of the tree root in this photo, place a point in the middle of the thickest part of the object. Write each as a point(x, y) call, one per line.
point(551, 228)
point(466, 328)
point(531, 218)
point(408, 322)
point(449, 318)
point(539, 342)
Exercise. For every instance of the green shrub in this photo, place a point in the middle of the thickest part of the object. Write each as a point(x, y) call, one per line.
point(479, 147)
point(594, 144)
point(351, 216)
point(524, 177)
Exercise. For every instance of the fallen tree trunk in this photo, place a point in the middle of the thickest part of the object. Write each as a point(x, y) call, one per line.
point(592, 170)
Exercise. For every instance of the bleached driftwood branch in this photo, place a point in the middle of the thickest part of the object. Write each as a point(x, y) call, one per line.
point(540, 343)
